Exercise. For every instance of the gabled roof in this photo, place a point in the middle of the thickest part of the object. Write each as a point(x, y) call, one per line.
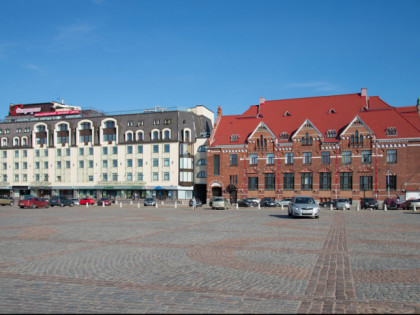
point(374, 112)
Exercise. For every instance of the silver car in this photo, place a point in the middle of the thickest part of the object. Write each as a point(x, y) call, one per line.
point(220, 203)
point(303, 206)
point(342, 203)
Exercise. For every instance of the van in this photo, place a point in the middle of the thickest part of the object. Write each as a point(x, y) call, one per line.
point(220, 203)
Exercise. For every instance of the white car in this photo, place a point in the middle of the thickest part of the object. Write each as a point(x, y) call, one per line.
point(254, 199)
point(75, 201)
point(284, 202)
point(220, 203)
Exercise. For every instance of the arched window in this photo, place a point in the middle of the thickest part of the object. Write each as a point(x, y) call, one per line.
point(361, 140)
point(356, 136)
point(155, 135)
point(129, 136)
point(16, 142)
point(167, 135)
point(202, 148)
point(4, 142)
point(24, 141)
point(140, 136)
point(202, 174)
point(202, 162)
point(352, 139)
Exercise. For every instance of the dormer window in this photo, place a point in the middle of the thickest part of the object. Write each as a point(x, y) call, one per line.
point(286, 114)
point(234, 138)
point(284, 136)
point(331, 133)
point(391, 131)
point(331, 111)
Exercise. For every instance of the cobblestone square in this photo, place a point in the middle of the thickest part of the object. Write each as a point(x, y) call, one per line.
point(177, 260)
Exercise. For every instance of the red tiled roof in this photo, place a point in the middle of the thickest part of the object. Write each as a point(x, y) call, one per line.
point(377, 117)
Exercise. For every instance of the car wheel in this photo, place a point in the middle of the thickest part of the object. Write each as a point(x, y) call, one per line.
point(33, 206)
point(62, 205)
point(72, 204)
point(22, 207)
point(12, 203)
point(47, 206)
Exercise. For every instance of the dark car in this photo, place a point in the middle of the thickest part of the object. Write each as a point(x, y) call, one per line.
point(33, 202)
point(247, 203)
point(367, 203)
point(149, 202)
point(392, 204)
point(198, 202)
point(61, 201)
point(268, 202)
point(326, 204)
point(104, 201)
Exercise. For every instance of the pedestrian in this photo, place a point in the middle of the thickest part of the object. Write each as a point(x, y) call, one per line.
point(194, 203)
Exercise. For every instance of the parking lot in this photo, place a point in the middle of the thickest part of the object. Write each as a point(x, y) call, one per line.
point(135, 259)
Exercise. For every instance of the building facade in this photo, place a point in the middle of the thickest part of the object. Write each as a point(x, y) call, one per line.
point(350, 146)
point(51, 148)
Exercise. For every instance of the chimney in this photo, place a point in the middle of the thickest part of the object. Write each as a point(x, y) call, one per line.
point(259, 107)
point(364, 92)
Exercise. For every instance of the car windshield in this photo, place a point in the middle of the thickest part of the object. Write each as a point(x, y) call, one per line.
point(369, 199)
point(28, 198)
point(342, 200)
point(218, 199)
point(304, 200)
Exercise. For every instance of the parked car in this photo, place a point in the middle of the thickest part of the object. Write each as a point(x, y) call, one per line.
point(103, 201)
point(75, 201)
point(341, 203)
point(254, 199)
point(392, 204)
point(7, 201)
point(61, 201)
point(410, 203)
point(284, 202)
point(366, 203)
point(268, 202)
point(33, 202)
point(303, 206)
point(246, 203)
point(149, 202)
point(220, 203)
point(198, 202)
point(87, 200)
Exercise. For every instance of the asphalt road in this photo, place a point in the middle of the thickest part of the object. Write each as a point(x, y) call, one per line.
point(176, 260)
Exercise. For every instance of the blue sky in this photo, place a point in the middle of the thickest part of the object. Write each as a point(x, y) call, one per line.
point(129, 55)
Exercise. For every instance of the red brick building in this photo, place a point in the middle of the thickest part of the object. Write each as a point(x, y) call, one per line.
point(350, 146)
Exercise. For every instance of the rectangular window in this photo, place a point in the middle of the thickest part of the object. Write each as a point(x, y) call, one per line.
point(346, 181)
point(90, 163)
point(16, 165)
point(114, 177)
point(45, 165)
point(46, 177)
point(90, 151)
point(25, 178)
point(166, 176)
point(269, 181)
point(306, 181)
point(37, 153)
point(346, 157)
point(105, 163)
point(270, 158)
point(46, 152)
point(139, 176)
point(391, 156)
point(130, 149)
point(233, 160)
point(140, 149)
point(16, 153)
point(367, 157)
point(37, 165)
point(81, 151)
point(253, 159)
point(155, 148)
point(307, 157)
point(67, 164)
point(325, 157)
point(90, 178)
point(5, 165)
point(166, 162)
point(233, 179)
point(129, 163)
point(105, 177)
point(16, 177)
point(366, 183)
point(105, 150)
point(37, 177)
point(58, 164)
point(140, 162)
point(114, 150)
point(25, 165)
point(289, 158)
point(114, 163)
point(25, 153)
point(325, 181)
point(155, 162)
point(166, 148)
point(391, 182)
point(129, 177)
point(155, 176)
point(81, 164)
point(58, 152)
point(216, 169)
point(252, 183)
point(288, 181)
point(67, 151)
